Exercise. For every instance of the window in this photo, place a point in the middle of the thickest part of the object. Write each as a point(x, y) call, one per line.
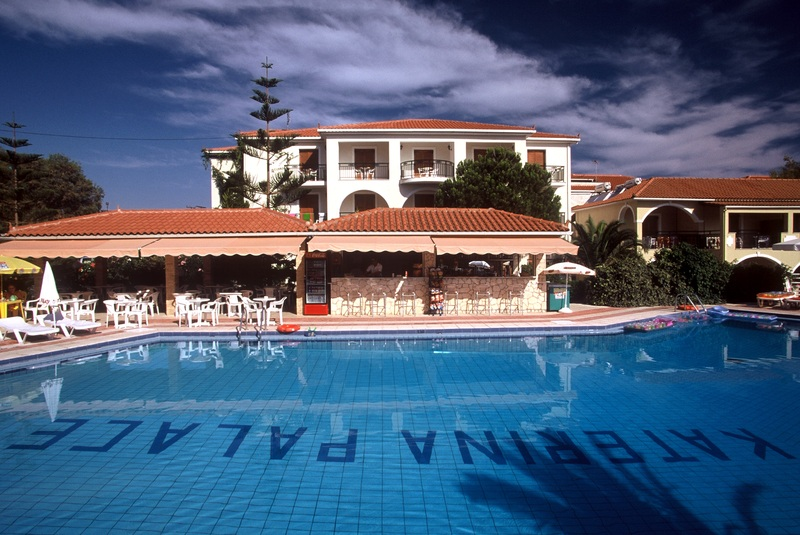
point(309, 159)
point(537, 157)
point(478, 153)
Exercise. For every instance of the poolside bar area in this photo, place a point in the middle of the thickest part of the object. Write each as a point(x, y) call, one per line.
point(410, 296)
point(432, 261)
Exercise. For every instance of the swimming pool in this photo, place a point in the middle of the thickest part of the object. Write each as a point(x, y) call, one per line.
point(691, 429)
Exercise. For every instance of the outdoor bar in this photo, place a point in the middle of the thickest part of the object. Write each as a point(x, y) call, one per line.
point(429, 261)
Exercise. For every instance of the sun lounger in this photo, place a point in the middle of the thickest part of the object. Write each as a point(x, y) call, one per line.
point(22, 329)
point(68, 326)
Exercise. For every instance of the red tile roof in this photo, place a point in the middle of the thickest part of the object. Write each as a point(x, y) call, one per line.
point(428, 124)
point(437, 220)
point(416, 124)
point(299, 132)
point(167, 222)
point(751, 191)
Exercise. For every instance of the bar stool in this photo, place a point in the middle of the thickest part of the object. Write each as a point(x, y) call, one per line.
point(513, 304)
point(377, 304)
point(482, 304)
point(405, 303)
point(353, 306)
point(451, 306)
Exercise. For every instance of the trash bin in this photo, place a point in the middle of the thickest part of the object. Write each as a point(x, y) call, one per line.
point(557, 297)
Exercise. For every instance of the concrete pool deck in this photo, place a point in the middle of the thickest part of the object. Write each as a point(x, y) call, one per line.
point(582, 316)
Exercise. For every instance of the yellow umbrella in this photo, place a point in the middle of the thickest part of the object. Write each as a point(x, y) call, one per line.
point(10, 265)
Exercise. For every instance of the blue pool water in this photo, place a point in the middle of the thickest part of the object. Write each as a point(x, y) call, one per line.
point(694, 429)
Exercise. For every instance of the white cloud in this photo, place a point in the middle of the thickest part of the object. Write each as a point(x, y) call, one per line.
point(651, 110)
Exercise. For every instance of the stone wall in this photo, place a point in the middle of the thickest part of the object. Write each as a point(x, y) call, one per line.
point(409, 296)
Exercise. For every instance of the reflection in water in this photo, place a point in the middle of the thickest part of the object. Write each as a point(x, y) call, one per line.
point(629, 433)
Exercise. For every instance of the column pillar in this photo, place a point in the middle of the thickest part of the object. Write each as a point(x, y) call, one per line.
point(170, 283)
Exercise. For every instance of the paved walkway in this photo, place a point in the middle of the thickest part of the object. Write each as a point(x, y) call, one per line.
point(582, 316)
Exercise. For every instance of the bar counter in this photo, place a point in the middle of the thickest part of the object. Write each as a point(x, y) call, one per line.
point(405, 296)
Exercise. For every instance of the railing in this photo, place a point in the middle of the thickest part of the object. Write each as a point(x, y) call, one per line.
point(754, 240)
point(426, 169)
point(557, 175)
point(699, 240)
point(352, 171)
point(309, 174)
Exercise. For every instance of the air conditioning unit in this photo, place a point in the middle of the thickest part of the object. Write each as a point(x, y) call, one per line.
point(600, 188)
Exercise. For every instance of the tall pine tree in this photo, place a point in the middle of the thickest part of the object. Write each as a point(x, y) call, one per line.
point(237, 187)
point(17, 162)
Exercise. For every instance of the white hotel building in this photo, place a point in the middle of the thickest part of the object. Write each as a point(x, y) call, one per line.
point(400, 164)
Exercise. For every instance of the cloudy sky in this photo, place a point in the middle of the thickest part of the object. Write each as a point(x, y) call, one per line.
point(133, 90)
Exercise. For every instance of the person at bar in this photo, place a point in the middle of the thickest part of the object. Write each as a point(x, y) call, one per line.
point(16, 298)
point(374, 269)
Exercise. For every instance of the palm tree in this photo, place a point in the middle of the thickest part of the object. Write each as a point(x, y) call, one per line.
point(597, 243)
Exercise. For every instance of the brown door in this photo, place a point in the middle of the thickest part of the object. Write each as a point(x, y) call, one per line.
point(364, 157)
point(536, 157)
point(423, 159)
point(364, 163)
point(364, 201)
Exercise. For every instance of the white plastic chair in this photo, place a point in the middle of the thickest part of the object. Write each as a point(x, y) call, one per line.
point(36, 308)
point(234, 304)
point(183, 310)
point(250, 310)
point(138, 311)
point(210, 311)
point(275, 306)
point(87, 308)
point(114, 309)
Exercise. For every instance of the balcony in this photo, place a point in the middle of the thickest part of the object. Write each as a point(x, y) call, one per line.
point(557, 175)
point(755, 240)
point(361, 171)
point(701, 240)
point(426, 171)
point(308, 174)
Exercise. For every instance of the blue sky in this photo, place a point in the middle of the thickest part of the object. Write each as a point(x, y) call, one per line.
point(133, 90)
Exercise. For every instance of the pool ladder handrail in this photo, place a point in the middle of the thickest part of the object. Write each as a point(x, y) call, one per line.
point(686, 299)
point(242, 327)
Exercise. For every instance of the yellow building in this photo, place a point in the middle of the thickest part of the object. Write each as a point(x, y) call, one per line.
point(751, 219)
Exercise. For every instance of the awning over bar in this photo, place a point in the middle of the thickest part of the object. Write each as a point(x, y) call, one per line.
point(373, 243)
point(503, 245)
point(134, 247)
point(224, 246)
point(49, 248)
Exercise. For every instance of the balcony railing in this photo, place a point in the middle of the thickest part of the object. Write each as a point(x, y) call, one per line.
point(755, 240)
point(557, 175)
point(309, 174)
point(426, 169)
point(701, 240)
point(352, 171)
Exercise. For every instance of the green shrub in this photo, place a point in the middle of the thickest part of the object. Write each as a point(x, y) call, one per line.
point(685, 269)
point(625, 282)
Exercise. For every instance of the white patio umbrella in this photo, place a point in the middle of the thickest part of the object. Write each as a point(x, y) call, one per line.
point(51, 388)
point(792, 244)
point(568, 268)
point(49, 292)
